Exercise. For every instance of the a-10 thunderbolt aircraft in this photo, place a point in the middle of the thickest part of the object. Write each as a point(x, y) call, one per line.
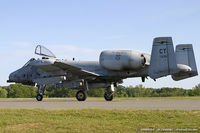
point(113, 66)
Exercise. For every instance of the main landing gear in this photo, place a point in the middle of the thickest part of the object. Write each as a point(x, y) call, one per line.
point(39, 97)
point(81, 95)
point(109, 94)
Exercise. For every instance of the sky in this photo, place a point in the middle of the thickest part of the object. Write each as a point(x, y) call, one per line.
point(83, 28)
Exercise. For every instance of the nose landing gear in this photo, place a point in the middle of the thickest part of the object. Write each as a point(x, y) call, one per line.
point(41, 89)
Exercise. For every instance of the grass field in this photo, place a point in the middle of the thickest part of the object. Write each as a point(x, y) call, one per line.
point(93, 120)
point(101, 98)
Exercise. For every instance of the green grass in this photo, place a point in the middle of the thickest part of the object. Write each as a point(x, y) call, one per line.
point(101, 98)
point(94, 120)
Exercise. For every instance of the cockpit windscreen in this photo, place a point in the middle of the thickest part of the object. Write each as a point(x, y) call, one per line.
point(32, 59)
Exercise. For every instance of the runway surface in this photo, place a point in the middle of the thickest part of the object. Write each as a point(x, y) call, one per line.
point(99, 104)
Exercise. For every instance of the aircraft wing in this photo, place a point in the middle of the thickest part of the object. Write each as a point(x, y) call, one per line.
point(74, 69)
point(56, 66)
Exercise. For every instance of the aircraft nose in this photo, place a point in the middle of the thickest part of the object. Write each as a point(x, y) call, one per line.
point(12, 77)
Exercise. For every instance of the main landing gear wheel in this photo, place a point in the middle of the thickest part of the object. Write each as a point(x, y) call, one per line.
point(81, 95)
point(108, 96)
point(39, 97)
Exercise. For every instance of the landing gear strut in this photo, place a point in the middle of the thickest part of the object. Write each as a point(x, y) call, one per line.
point(81, 95)
point(41, 89)
point(109, 94)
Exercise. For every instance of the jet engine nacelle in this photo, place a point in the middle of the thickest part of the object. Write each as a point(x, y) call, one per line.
point(121, 60)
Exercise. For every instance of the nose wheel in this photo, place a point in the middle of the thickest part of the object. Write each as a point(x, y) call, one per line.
point(39, 97)
point(40, 92)
point(81, 95)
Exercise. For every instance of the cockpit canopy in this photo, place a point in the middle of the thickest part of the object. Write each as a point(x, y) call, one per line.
point(42, 51)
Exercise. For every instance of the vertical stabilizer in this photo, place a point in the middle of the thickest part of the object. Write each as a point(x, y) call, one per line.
point(185, 61)
point(163, 61)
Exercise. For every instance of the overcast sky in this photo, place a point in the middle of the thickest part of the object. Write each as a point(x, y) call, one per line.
point(82, 28)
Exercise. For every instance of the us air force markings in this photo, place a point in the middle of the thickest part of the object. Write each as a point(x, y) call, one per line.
point(162, 104)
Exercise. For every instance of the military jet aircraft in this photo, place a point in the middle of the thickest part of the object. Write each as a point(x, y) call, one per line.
point(113, 66)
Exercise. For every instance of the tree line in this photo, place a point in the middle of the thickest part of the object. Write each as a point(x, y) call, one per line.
point(24, 91)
